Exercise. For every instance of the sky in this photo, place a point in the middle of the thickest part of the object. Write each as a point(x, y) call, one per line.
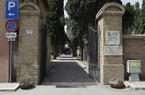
point(131, 1)
point(65, 13)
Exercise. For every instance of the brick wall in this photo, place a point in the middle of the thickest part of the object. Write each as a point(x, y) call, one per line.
point(134, 49)
point(4, 46)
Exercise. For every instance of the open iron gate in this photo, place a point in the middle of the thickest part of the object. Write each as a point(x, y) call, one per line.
point(43, 52)
point(94, 68)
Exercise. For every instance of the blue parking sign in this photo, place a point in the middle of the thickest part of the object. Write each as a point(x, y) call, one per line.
point(11, 9)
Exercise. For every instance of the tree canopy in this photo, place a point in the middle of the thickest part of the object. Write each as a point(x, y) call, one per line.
point(81, 14)
point(55, 26)
point(143, 18)
point(134, 19)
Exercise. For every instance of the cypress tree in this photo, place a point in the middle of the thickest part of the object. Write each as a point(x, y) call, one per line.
point(143, 18)
point(128, 19)
point(137, 24)
point(55, 26)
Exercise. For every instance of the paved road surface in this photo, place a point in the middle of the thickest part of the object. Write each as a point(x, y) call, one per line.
point(66, 70)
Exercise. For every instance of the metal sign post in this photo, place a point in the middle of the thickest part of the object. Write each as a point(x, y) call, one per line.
point(11, 26)
point(11, 60)
point(11, 37)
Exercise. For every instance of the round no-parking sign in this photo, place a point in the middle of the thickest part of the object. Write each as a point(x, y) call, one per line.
point(11, 25)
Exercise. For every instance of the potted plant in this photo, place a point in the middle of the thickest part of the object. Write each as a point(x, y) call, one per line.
point(26, 82)
point(116, 83)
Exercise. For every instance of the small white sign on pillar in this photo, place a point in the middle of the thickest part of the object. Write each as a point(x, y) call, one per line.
point(113, 46)
point(113, 50)
point(29, 31)
point(113, 38)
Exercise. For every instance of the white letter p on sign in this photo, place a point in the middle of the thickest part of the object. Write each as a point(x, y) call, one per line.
point(11, 5)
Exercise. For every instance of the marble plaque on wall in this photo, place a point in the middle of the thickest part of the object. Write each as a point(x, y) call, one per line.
point(113, 37)
point(113, 50)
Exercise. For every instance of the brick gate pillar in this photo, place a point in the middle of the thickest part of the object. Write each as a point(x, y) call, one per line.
point(109, 20)
point(29, 42)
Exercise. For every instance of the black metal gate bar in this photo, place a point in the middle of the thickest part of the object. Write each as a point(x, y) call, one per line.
point(94, 68)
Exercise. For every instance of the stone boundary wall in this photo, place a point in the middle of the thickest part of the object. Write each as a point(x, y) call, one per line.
point(134, 49)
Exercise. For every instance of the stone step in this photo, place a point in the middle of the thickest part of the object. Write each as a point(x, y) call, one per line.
point(9, 86)
point(140, 85)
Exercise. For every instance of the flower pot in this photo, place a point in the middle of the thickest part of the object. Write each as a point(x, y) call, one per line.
point(116, 85)
point(26, 86)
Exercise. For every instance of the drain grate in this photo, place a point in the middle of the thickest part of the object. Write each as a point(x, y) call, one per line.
point(69, 86)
